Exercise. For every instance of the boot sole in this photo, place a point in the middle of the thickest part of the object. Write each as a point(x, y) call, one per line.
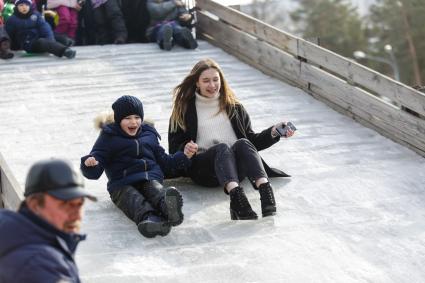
point(174, 203)
point(271, 213)
point(167, 41)
point(152, 229)
point(234, 216)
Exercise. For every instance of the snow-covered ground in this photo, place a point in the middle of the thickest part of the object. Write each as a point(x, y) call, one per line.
point(353, 210)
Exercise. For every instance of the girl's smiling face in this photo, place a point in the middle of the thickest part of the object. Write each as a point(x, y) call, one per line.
point(209, 83)
point(131, 124)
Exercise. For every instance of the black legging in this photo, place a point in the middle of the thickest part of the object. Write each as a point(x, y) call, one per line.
point(42, 45)
point(222, 164)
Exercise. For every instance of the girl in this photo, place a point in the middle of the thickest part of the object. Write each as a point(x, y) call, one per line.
point(206, 111)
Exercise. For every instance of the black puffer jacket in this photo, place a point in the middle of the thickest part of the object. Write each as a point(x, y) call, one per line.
point(130, 159)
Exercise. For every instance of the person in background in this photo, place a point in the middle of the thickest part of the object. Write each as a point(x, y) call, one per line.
point(206, 111)
point(169, 21)
point(134, 161)
point(109, 21)
point(86, 31)
point(5, 52)
point(68, 15)
point(29, 31)
point(38, 242)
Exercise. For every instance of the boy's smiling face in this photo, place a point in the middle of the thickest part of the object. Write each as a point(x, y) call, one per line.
point(131, 124)
point(23, 8)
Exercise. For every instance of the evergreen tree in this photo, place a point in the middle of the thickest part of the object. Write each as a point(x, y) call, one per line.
point(336, 23)
point(402, 25)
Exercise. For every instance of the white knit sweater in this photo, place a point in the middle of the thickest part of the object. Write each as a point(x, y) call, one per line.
point(213, 127)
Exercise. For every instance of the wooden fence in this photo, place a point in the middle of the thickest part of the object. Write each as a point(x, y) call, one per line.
point(11, 193)
point(342, 83)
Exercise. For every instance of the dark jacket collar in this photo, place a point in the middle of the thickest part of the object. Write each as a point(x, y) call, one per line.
point(67, 241)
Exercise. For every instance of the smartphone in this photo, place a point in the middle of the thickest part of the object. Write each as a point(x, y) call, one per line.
point(283, 130)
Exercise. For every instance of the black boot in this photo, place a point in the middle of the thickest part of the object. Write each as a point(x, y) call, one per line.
point(268, 203)
point(171, 206)
point(240, 209)
point(153, 225)
point(69, 53)
point(5, 52)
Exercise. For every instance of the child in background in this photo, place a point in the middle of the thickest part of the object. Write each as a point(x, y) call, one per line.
point(29, 31)
point(68, 15)
point(169, 24)
point(4, 38)
point(134, 161)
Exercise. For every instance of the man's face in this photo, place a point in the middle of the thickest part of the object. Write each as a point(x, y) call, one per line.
point(64, 215)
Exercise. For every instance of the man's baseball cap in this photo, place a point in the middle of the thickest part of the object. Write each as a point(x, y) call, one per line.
point(57, 178)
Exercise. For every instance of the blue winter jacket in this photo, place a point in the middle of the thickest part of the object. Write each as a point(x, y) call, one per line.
point(33, 251)
point(23, 29)
point(131, 159)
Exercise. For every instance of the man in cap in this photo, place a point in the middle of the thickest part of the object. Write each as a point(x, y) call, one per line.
point(38, 242)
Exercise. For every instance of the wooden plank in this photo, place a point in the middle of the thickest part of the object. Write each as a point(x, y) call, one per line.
point(316, 92)
point(11, 192)
point(362, 99)
point(270, 59)
point(363, 76)
point(396, 123)
point(261, 30)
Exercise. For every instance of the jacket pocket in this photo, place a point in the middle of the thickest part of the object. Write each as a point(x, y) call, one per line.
point(136, 168)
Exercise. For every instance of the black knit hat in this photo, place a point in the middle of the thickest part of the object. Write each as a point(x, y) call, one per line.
point(125, 106)
point(28, 2)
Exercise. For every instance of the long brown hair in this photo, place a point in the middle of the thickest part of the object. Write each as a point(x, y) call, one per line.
point(186, 91)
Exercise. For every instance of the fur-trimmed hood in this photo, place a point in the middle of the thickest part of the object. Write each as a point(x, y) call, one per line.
point(107, 117)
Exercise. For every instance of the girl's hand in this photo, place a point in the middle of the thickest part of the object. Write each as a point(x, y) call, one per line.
point(190, 149)
point(91, 162)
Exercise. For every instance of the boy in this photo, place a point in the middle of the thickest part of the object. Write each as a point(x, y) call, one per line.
point(134, 162)
point(29, 31)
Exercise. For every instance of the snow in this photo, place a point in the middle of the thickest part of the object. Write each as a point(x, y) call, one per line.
point(353, 210)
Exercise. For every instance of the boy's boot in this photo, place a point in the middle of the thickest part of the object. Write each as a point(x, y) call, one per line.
point(240, 209)
point(153, 225)
point(268, 203)
point(5, 52)
point(171, 206)
point(69, 53)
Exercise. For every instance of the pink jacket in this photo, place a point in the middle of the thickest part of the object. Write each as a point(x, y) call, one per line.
point(51, 4)
point(1, 9)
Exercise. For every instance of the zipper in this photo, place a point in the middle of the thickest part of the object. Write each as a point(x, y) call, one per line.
point(137, 148)
point(146, 169)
